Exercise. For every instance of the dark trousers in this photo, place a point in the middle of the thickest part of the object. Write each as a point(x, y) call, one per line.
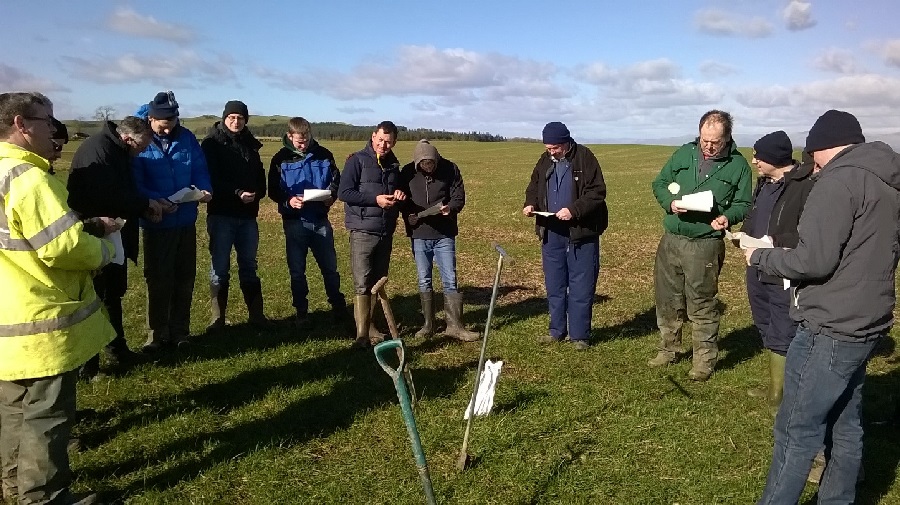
point(770, 305)
point(686, 281)
point(36, 415)
point(300, 237)
point(570, 276)
point(110, 285)
point(370, 258)
point(170, 268)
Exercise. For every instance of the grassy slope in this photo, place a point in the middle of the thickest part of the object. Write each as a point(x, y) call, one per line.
point(295, 418)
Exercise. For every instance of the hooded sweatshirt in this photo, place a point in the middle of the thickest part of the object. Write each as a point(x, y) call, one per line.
point(849, 244)
point(444, 185)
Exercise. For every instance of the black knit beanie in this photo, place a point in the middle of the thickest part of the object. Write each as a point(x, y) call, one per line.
point(775, 149)
point(235, 107)
point(832, 129)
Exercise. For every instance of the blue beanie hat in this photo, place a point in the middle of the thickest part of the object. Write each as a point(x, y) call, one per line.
point(163, 106)
point(556, 133)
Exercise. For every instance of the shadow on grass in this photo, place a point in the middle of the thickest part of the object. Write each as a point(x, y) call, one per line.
point(639, 326)
point(359, 385)
point(881, 441)
point(739, 345)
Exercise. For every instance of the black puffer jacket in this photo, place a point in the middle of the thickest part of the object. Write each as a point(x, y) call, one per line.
point(590, 215)
point(101, 184)
point(361, 181)
point(234, 166)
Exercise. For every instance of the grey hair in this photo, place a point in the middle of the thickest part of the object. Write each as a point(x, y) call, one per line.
point(19, 104)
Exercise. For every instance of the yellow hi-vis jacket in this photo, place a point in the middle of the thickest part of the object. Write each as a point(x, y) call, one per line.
point(50, 317)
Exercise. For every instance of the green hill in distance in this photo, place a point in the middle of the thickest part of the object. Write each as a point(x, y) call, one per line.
point(273, 127)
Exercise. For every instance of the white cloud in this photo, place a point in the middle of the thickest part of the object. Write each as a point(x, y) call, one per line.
point(648, 84)
point(891, 53)
point(764, 97)
point(176, 69)
point(713, 69)
point(129, 22)
point(428, 71)
point(14, 79)
point(839, 61)
point(727, 24)
point(355, 110)
point(866, 90)
point(798, 15)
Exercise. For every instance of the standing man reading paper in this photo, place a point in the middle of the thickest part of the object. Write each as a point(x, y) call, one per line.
point(172, 162)
point(843, 267)
point(370, 190)
point(691, 252)
point(568, 182)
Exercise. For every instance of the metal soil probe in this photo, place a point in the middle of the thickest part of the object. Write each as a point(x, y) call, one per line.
point(406, 407)
point(463, 461)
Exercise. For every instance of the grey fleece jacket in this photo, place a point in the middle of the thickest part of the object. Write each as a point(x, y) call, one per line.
point(844, 263)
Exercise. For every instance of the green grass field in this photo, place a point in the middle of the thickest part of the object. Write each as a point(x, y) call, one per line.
point(289, 417)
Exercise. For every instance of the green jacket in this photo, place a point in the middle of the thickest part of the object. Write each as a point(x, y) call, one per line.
point(729, 180)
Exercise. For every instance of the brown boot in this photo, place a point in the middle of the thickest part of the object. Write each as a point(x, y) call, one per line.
point(361, 316)
point(427, 299)
point(453, 309)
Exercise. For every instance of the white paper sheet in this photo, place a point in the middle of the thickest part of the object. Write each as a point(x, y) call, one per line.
point(119, 255)
point(186, 194)
point(542, 213)
point(316, 195)
point(431, 211)
point(701, 202)
point(748, 242)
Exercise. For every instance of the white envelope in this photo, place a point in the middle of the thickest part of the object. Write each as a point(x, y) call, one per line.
point(316, 195)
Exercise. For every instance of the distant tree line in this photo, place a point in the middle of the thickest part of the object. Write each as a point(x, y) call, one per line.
point(277, 126)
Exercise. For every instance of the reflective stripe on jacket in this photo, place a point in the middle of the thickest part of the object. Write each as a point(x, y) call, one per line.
point(51, 320)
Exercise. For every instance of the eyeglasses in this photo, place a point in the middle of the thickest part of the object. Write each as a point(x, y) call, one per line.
point(48, 120)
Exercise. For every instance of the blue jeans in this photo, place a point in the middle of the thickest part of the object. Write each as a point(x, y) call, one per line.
point(300, 236)
point(426, 252)
point(822, 405)
point(570, 276)
point(226, 232)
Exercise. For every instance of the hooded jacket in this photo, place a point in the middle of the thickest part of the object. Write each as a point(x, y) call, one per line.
point(729, 180)
point(590, 215)
point(444, 185)
point(234, 166)
point(159, 173)
point(848, 247)
point(291, 172)
point(101, 184)
point(362, 180)
point(51, 320)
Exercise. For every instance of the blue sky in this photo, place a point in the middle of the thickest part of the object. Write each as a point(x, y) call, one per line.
point(610, 70)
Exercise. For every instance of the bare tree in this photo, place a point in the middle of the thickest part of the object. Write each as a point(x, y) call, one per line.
point(104, 113)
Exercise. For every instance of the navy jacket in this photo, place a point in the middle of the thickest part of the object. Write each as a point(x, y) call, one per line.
point(290, 173)
point(361, 181)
